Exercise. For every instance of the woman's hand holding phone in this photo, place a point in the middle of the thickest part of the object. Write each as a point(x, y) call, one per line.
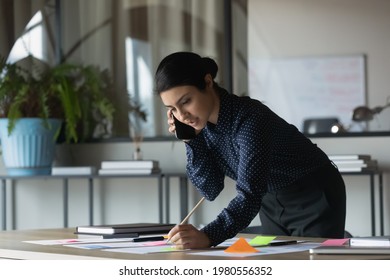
point(181, 130)
point(171, 122)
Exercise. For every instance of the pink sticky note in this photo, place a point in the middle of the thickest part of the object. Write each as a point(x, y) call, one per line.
point(70, 241)
point(334, 242)
point(156, 243)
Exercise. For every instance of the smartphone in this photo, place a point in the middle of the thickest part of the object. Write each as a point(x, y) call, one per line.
point(183, 131)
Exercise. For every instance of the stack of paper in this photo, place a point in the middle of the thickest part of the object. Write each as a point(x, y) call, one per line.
point(371, 241)
point(354, 162)
point(129, 167)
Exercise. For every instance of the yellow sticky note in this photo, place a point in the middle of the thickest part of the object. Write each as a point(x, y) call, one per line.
point(168, 249)
point(261, 240)
point(241, 246)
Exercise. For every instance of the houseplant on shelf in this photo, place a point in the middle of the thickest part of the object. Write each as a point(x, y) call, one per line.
point(67, 96)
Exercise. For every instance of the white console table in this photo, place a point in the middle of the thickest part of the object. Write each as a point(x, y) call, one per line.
point(372, 174)
point(7, 183)
point(183, 186)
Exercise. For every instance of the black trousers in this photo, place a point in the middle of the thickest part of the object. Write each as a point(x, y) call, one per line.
point(314, 206)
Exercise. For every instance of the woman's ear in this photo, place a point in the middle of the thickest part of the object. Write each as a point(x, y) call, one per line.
point(208, 81)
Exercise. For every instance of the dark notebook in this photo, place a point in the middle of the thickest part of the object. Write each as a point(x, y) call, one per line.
point(136, 228)
point(107, 236)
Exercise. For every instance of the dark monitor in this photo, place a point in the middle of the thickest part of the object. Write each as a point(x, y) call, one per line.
point(319, 125)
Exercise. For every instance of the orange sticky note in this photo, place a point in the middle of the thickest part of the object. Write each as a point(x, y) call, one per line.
point(241, 246)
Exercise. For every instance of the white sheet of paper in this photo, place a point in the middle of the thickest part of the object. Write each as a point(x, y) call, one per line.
point(117, 245)
point(146, 250)
point(269, 250)
point(77, 241)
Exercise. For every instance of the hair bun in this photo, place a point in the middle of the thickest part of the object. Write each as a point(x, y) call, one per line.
point(210, 66)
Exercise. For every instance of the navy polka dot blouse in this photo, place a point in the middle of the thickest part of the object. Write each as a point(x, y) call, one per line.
point(254, 147)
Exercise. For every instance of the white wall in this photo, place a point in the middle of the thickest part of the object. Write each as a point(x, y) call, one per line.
point(307, 28)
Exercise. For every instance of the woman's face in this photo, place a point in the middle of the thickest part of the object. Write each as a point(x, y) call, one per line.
point(190, 105)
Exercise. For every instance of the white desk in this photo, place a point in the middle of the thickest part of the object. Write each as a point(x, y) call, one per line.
point(12, 246)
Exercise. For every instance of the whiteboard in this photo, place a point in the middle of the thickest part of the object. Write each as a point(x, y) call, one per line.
point(310, 87)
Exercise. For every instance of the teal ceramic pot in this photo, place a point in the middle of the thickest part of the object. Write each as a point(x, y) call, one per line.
point(29, 150)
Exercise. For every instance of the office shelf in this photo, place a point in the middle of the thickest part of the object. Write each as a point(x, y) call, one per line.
point(183, 187)
point(90, 179)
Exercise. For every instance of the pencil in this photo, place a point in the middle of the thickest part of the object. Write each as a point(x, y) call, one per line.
point(192, 211)
point(190, 214)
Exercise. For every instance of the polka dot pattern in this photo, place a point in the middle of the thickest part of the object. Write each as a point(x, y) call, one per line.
point(254, 147)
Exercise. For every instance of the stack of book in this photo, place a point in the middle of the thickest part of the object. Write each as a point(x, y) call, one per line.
point(129, 167)
point(123, 230)
point(354, 162)
point(73, 170)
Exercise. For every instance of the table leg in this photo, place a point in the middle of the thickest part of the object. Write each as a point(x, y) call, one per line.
point(66, 199)
point(160, 199)
point(13, 204)
point(167, 198)
point(4, 199)
point(380, 178)
point(183, 197)
point(372, 179)
point(90, 198)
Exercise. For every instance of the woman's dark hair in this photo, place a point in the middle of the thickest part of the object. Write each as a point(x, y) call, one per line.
point(184, 69)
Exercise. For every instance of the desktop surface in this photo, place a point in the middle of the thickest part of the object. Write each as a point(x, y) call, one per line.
point(12, 246)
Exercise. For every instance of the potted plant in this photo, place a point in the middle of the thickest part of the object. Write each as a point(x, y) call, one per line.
point(70, 96)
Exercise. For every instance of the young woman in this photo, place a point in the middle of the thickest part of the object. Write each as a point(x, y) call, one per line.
point(279, 173)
